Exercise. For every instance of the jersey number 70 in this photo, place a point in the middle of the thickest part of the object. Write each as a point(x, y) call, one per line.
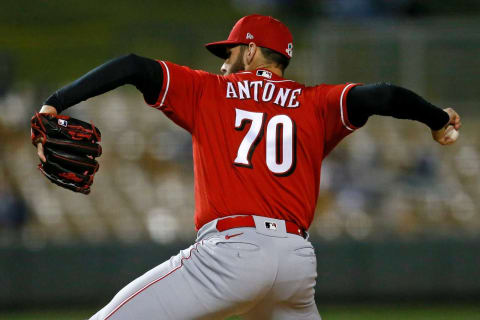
point(280, 143)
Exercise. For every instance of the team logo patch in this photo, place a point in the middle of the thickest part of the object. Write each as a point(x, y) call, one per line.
point(270, 225)
point(62, 122)
point(289, 49)
point(264, 73)
point(249, 35)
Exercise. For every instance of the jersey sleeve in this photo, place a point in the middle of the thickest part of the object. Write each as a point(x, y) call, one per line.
point(180, 94)
point(334, 109)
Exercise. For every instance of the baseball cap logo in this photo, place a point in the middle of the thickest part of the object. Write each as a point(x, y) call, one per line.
point(249, 35)
point(289, 49)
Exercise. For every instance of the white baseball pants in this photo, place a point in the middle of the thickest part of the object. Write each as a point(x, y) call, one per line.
point(255, 273)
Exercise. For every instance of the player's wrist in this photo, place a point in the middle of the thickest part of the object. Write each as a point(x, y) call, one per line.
point(48, 109)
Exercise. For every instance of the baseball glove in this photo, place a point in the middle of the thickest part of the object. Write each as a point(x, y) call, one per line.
point(70, 147)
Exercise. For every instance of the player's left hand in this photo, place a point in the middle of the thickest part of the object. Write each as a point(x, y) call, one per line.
point(67, 148)
point(449, 133)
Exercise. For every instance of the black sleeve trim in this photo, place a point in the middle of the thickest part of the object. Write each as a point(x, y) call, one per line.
point(389, 100)
point(145, 74)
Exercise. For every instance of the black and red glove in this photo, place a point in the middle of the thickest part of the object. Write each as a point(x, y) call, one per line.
point(70, 147)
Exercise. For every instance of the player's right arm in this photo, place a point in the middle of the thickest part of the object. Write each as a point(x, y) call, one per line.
point(389, 100)
point(145, 74)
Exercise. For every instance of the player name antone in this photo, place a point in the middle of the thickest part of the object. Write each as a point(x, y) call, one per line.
point(263, 91)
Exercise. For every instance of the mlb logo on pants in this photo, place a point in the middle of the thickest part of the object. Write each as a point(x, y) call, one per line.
point(62, 122)
point(271, 225)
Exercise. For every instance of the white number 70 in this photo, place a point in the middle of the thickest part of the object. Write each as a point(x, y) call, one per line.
point(280, 144)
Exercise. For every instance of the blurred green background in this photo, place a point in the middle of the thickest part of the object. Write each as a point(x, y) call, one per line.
point(397, 227)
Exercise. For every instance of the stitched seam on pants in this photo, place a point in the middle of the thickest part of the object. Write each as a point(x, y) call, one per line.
point(153, 282)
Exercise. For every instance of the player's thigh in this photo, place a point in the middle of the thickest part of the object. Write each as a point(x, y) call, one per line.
point(161, 293)
point(293, 295)
point(211, 280)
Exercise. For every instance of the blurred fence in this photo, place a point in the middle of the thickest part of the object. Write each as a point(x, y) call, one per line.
point(388, 271)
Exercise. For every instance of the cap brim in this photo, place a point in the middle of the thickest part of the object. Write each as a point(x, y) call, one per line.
point(219, 48)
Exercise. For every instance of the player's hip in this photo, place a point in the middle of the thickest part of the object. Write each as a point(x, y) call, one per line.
point(256, 233)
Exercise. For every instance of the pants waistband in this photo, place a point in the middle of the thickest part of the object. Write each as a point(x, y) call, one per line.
point(228, 223)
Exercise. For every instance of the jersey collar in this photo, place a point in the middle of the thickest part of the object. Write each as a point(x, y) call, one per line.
point(264, 73)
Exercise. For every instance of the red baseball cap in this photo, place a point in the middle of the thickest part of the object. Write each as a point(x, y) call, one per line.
point(264, 31)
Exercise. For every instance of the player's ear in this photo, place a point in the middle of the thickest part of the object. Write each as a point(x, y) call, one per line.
point(251, 51)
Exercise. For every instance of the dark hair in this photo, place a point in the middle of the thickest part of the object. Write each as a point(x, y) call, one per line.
point(275, 57)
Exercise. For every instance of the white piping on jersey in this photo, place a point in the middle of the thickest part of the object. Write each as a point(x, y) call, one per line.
point(244, 72)
point(280, 80)
point(168, 84)
point(341, 107)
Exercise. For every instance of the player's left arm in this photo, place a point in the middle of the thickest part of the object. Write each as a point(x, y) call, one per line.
point(389, 100)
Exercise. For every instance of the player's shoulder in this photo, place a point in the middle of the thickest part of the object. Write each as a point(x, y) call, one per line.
point(174, 68)
point(322, 90)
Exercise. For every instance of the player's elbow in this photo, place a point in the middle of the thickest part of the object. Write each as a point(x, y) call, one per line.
point(136, 67)
point(132, 60)
point(132, 57)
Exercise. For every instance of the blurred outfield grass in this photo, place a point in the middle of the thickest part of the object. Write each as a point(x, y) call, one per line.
point(340, 312)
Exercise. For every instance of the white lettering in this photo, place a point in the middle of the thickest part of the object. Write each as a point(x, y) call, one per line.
point(266, 91)
point(294, 95)
point(268, 95)
point(255, 85)
point(231, 91)
point(282, 95)
point(243, 90)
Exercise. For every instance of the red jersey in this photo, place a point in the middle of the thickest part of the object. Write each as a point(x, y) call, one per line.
point(258, 139)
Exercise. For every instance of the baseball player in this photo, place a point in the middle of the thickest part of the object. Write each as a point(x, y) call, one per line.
point(258, 144)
